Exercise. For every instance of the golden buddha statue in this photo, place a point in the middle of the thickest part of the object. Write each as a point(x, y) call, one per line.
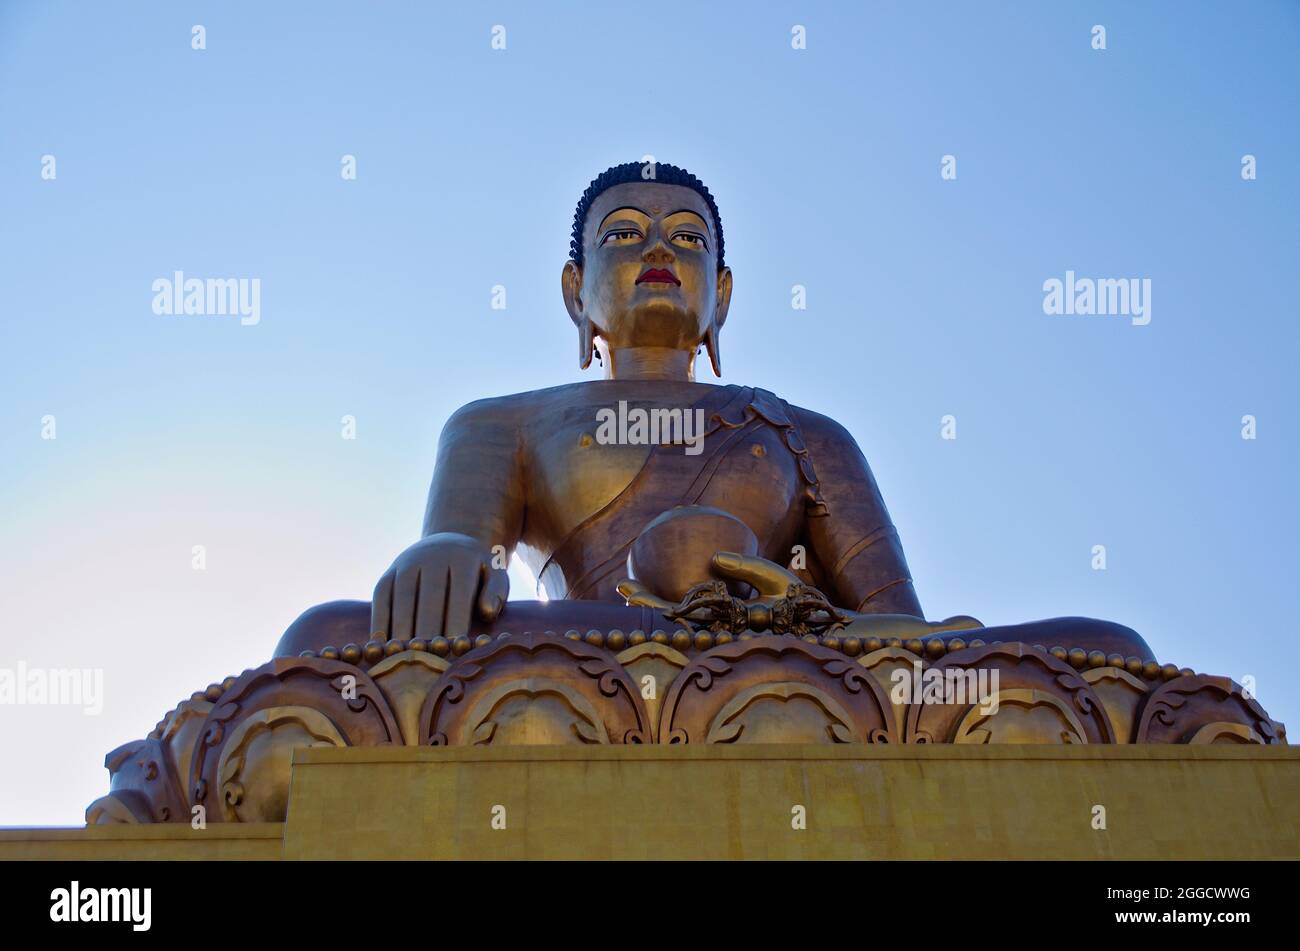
point(739, 506)
point(721, 569)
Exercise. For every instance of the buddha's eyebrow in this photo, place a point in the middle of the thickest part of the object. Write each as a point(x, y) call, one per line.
point(625, 208)
point(689, 211)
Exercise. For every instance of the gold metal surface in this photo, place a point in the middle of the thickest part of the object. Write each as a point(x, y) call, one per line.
point(711, 585)
point(522, 472)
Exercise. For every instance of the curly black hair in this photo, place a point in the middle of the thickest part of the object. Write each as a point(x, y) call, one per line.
point(664, 174)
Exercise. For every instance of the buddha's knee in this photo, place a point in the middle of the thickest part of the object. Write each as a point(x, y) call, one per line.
point(332, 624)
point(1088, 633)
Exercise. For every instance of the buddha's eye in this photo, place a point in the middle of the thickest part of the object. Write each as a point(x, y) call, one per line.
point(621, 234)
point(691, 238)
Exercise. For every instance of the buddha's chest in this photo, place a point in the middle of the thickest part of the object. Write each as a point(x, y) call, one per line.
point(597, 457)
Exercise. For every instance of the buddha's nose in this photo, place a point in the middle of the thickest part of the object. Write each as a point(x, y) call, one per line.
point(658, 252)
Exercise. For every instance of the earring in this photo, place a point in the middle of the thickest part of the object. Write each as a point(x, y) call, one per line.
point(585, 344)
point(715, 353)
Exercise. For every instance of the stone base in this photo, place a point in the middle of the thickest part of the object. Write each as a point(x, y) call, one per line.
point(164, 841)
point(739, 801)
point(227, 750)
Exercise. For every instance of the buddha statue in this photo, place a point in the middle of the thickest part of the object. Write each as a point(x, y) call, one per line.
point(720, 568)
point(650, 499)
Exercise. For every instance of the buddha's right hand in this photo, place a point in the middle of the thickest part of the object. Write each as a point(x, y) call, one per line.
point(436, 587)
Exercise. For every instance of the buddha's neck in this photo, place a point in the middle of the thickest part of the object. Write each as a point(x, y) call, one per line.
point(650, 363)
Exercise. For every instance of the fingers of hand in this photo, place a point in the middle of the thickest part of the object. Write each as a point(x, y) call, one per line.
point(639, 596)
point(767, 577)
point(431, 606)
point(406, 595)
point(381, 605)
point(462, 592)
point(493, 592)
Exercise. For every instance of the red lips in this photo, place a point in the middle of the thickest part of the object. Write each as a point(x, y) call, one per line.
point(658, 275)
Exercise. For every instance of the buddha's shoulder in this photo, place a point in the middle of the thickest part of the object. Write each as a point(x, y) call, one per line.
point(517, 409)
point(521, 409)
point(542, 405)
point(820, 427)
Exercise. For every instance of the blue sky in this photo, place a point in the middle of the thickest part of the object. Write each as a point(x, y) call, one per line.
point(924, 300)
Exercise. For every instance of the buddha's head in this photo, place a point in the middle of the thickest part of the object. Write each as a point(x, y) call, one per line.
point(645, 264)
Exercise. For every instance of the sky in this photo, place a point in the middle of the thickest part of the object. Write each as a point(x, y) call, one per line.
point(924, 300)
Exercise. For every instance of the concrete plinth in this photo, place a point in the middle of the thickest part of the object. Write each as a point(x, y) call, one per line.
point(719, 801)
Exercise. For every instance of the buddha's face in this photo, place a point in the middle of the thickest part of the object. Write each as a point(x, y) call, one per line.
point(650, 273)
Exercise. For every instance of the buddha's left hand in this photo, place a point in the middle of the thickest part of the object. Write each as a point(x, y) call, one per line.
point(771, 581)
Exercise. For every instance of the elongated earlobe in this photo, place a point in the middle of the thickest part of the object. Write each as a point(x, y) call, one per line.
point(585, 344)
point(715, 354)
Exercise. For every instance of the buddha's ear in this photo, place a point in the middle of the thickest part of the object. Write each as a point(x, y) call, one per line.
point(571, 287)
point(714, 349)
point(724, 297)
point(719, 318)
